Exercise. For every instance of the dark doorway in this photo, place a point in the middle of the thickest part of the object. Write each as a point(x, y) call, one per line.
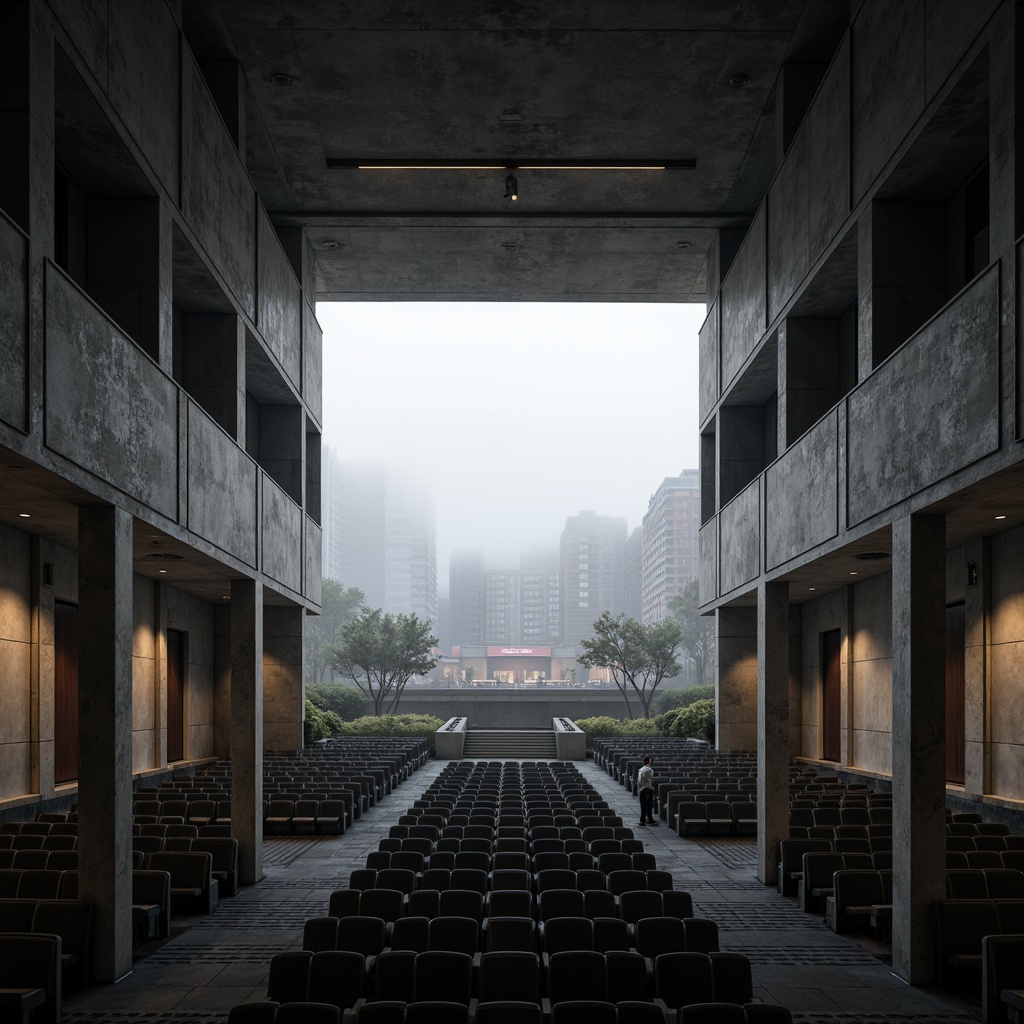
point(955, 693)
point(831, 647)
point(175, 695)
point(65, 692)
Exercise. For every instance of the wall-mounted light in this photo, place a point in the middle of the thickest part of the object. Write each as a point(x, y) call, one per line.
point(972, 574)
point(511, 187)
point(47, 574)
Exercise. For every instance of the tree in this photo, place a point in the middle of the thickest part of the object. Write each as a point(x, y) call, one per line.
point(639, 657)
point(381, 652)
point(698, 631)
point(338, 606)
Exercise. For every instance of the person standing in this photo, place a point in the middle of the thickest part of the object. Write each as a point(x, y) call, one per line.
point(645, 786)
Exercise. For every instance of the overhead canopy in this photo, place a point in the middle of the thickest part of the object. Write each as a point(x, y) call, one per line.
point(497, 87)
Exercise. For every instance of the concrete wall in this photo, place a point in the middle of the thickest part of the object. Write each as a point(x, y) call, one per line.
point(516, 709)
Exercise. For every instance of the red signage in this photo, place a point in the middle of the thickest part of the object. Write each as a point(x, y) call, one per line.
point(518, 652)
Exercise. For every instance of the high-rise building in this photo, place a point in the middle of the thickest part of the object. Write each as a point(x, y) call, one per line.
point(635, 574)
point(592, 561)
point(505, 606)
point(670, 537)
point(380, 535)
point(466, 597)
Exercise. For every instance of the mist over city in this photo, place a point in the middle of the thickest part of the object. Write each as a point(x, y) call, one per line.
point(515, 416)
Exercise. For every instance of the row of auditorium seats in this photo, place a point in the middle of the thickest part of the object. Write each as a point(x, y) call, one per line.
point(483, 934)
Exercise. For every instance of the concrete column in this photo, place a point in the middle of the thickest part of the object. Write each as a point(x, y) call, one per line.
point(918, 739)
point(977, 670)
point(772, 726)
point(247, 726)
point(283, 693)
point(736, 679)
point(105, 732)
point(42, 668)
point(160, 675)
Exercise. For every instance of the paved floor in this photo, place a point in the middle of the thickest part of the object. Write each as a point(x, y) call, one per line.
point(212, 963)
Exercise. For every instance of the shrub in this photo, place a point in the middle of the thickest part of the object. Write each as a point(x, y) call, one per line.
point(697, 720)
point(393, 725)
point(671, 700)
point(320, 724)
point(346, 700)
point(603, 725)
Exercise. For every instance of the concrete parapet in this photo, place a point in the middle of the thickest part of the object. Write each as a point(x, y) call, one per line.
point(570, 740)
point(450, 738)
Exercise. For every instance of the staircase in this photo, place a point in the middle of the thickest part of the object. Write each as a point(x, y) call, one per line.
point(528, 744)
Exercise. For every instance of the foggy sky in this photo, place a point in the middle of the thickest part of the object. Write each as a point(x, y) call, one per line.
point(520, 414)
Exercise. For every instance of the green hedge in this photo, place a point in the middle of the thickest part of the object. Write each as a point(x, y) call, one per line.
point(604, 725)
point(670, 700)
point(345, 700)
point(320, 724)
point(696, 720)
point(393, 725)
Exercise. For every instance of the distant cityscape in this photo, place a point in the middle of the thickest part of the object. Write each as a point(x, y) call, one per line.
point(520, 625)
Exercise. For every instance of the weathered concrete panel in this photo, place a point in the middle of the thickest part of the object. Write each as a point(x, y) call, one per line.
point(13, 325)
point(740, 538)
point(888, 83)
point(950, 27)
point(828, 128)
point(801, 494)
point(313, 579)
point(280, 302)
point(217, 197)
point(932, 409)
point(222, 482)
point(709, 335)
point(109, 408)
point(86, 22)
point(788, 258)
point(282, 536)
point(709, 561)
point(143, 82)
point(312, 361)
point(743, 301)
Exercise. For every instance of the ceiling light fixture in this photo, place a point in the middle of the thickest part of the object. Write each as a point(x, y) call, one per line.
point(1000, 517)
point(812, 588)
point(511, 187)
point(854, 574)
point(682, 245)
point(24, 515)
point(588, 164)
point(161, 570)
point(281, 80)
point(331, 244)
point(739, 81)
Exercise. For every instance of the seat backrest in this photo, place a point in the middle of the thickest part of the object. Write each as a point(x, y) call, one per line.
point(445, 975)
point(33, 961)
point(454, 934)
point(509, 975)
point(576, 974)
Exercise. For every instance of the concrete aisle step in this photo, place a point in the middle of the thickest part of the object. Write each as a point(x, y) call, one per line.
point(527, 744)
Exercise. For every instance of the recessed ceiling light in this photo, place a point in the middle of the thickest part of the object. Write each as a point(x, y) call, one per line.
point(1000, 517)
point(281, 80)
point(739, 81)
point(812, 588)
point(24, 515)
point(682, 245)
point(854, 574)
point(331, 244)
point(511, 115)
point(161, 570)
point(225, 597)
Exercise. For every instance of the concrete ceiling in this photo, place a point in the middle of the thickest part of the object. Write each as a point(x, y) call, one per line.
point(511, 83)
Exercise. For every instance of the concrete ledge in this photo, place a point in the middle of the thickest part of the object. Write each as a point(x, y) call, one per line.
point(450, 739)
point(570, 740)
